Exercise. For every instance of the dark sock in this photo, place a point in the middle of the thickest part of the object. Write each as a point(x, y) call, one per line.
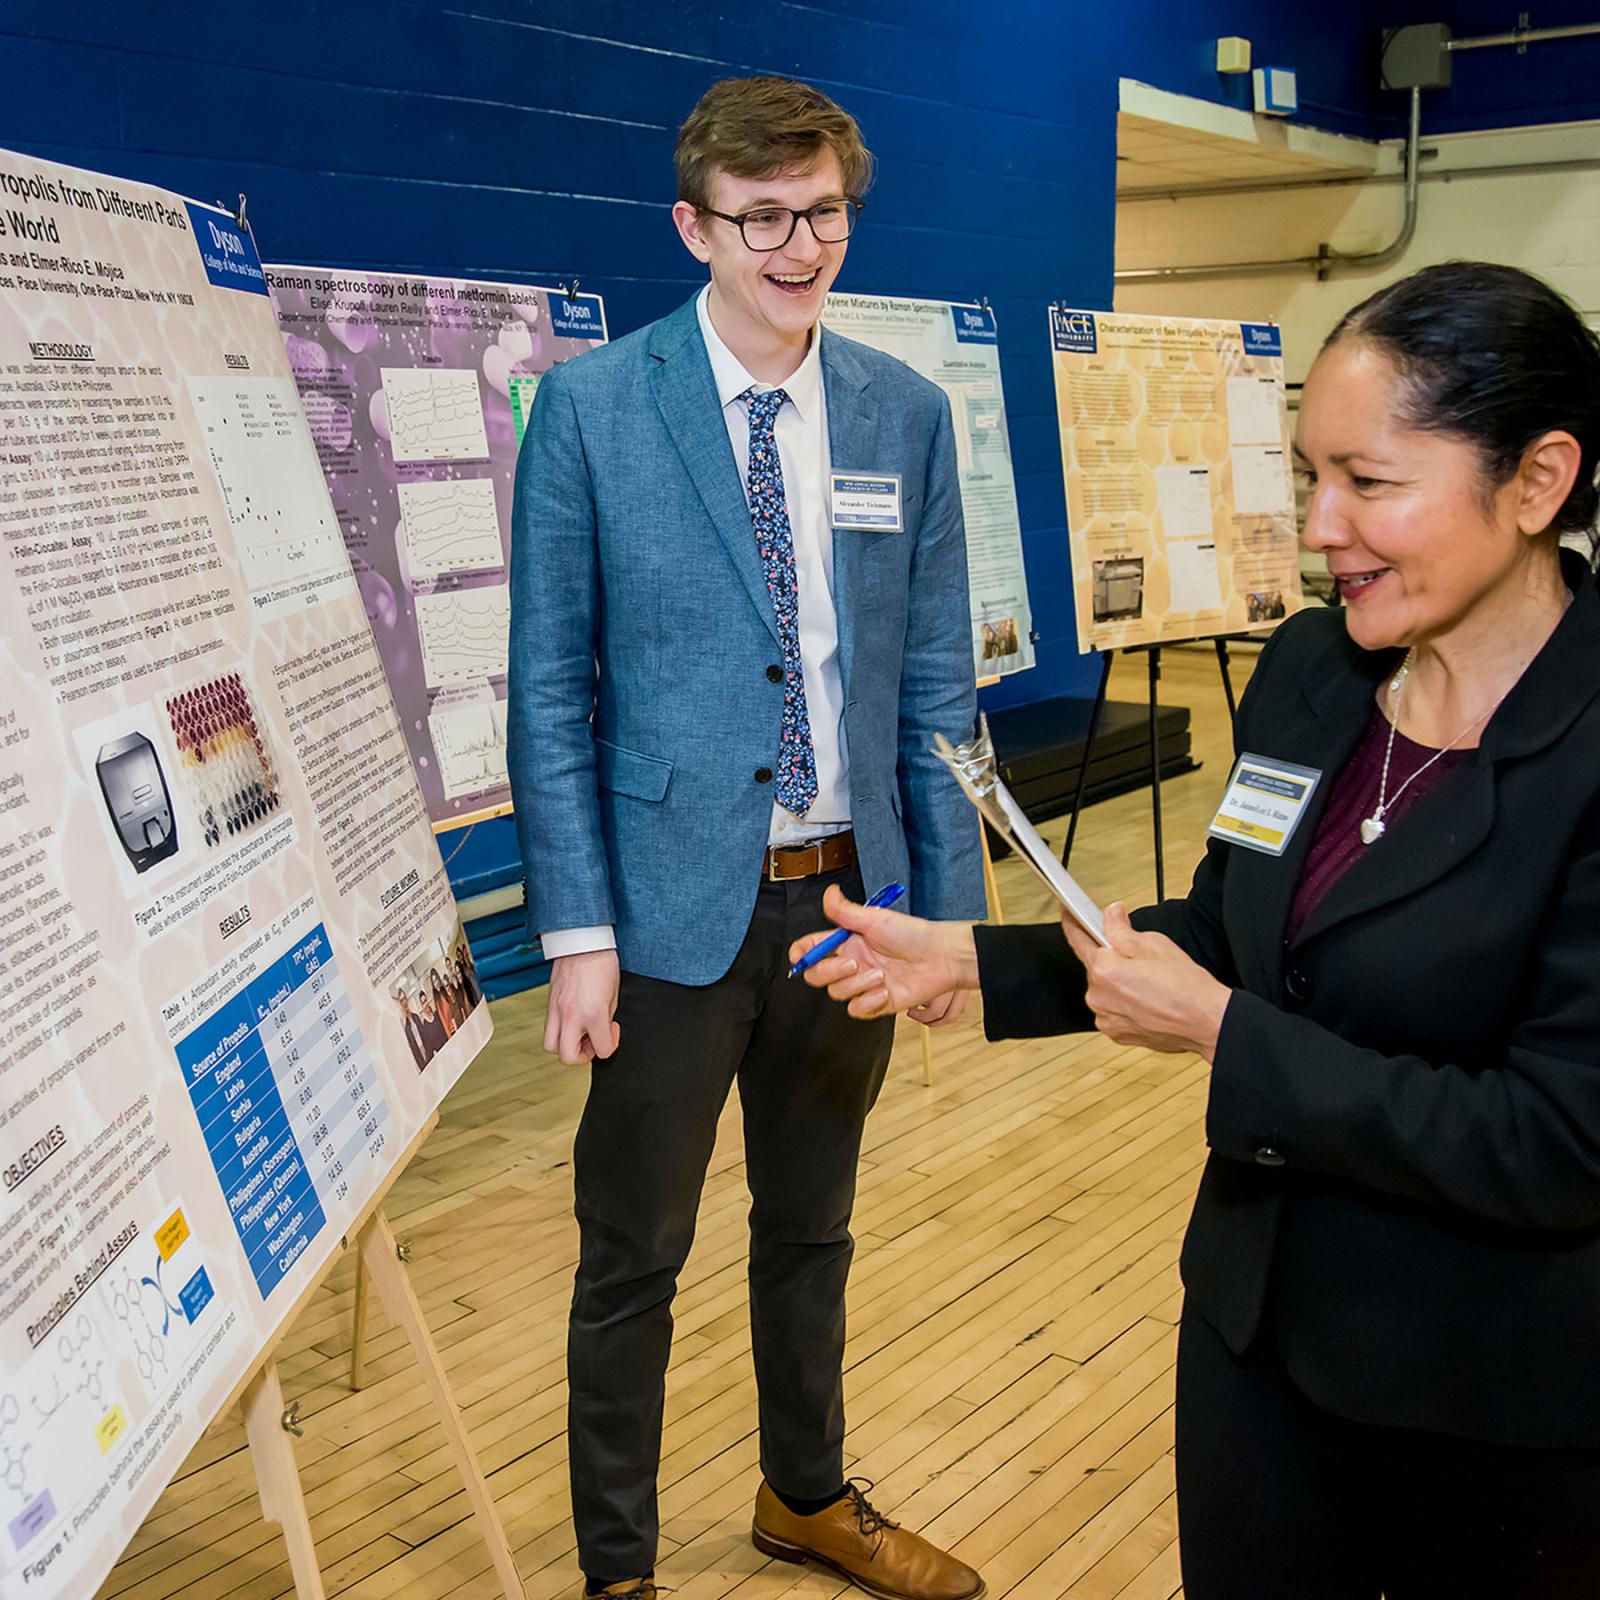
point(595, 1585)
point(809, 1508)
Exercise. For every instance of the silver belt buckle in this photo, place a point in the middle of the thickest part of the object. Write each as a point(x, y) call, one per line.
point(786, 849)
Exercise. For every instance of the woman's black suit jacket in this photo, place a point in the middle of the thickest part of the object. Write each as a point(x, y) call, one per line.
point(1404, 1115)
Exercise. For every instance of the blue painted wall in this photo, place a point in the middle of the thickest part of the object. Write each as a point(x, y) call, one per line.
point(530, 141)
point(533, 141)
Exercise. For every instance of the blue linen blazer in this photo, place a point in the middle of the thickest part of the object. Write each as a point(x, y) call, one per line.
point(640, 707)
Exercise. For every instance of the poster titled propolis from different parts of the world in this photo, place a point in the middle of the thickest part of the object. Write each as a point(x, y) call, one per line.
point(957, 347)
point(417, 391)
point(233, 987)
point(1180, 490)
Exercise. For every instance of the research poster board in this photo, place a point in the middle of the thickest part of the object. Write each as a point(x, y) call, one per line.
point(1180, 489)
point(957, 347)
point(417, 392)
point(232, 982)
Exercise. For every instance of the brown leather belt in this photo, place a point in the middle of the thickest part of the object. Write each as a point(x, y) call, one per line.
point(831, 853)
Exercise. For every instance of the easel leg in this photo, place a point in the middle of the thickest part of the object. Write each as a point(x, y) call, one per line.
point(991, 886)
point(278, 1479)
point(1227, 680)
point(1088, 752)
point(358, 1337)
point(381, 1257)
point(1155, 772)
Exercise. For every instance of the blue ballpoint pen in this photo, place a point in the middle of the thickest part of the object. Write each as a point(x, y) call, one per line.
point(881, 901)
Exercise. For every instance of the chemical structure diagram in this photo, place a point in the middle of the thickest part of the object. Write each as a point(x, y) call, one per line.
point(147, 1319)
point(13, 1460)
point(72, 1346)
point(57, 1401)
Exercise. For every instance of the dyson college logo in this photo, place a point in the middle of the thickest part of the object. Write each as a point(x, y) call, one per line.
point(1261, 338)
point(1073, 330)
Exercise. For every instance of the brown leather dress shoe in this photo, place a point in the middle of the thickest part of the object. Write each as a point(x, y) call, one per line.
point(863, 1545)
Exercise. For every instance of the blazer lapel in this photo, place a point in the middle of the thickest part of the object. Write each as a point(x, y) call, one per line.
point(1454, 819)
point(853, 445)
point(686, 396)
point(1444, 829)
point(1320, 732)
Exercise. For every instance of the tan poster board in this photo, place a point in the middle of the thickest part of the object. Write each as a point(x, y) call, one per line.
point(1180, 490)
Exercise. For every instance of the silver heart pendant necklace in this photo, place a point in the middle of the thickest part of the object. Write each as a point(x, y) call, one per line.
point(1374, 827)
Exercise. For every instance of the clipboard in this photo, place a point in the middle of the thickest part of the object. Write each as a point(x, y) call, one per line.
point(974, 767)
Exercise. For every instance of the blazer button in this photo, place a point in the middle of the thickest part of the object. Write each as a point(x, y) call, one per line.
point(1297, 985)
point(763, 774)
point(1266, 1156)
point(774, 674)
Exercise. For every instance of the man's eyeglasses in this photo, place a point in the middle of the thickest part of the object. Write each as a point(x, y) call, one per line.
point(772, 227)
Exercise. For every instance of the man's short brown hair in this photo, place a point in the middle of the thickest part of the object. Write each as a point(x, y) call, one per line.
point(759, 127)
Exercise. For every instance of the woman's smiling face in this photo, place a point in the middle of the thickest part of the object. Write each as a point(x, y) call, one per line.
point(1413, 532)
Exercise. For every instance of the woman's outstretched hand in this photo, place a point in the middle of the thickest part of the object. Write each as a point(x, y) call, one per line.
point(1145, 991)
point(893, 963)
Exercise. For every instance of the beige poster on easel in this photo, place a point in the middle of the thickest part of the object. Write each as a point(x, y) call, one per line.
point(1180, 492)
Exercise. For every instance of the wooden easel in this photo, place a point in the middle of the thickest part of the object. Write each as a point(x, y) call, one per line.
point(269, 1423)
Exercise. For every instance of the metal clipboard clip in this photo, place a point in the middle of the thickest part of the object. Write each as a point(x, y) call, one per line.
point(974, 766)
point(972, 763)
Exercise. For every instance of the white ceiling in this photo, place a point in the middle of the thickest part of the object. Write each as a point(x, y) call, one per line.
point(1169, 142)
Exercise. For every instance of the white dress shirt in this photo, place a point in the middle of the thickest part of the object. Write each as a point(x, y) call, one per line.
point(801, 434)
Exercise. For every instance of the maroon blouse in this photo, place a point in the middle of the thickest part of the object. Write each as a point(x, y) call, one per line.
point(1354, 796)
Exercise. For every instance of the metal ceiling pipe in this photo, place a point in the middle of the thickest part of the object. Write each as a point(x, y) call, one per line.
point(1522, 37)
point(1326, 259)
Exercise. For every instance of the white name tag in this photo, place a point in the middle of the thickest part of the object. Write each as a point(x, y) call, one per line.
point(1264, 803)
point(868, 502)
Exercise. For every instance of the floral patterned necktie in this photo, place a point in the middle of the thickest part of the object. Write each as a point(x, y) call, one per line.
point(769, 512)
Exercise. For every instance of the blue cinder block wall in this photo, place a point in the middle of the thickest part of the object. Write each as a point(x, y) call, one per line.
point(523, 140)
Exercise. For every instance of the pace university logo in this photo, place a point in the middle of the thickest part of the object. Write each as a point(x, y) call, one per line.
point(1073, 330)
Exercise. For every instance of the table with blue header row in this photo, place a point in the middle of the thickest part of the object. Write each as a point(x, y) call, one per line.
point(288, 1101)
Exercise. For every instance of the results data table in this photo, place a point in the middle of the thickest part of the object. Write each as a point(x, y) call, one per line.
point(286, 1095)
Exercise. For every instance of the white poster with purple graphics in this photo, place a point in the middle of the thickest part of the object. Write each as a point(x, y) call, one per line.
point(417, 391)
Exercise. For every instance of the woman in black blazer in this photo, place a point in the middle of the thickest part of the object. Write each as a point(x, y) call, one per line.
point(1389, 1361)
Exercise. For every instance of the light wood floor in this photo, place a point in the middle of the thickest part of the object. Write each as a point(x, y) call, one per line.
point(1012, 1313)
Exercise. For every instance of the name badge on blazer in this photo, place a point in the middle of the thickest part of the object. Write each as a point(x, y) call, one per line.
point(1264, 803)
point(866, 502)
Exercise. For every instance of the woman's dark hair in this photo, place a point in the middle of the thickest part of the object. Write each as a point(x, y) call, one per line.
point(1495, 357)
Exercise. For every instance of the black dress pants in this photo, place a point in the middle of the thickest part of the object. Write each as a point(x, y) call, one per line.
point(808, 1074)
point(1281, 1500)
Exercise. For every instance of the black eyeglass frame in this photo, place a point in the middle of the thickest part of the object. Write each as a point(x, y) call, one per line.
point(856, 207)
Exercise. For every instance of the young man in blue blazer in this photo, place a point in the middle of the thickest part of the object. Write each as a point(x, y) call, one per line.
point(734, 472)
